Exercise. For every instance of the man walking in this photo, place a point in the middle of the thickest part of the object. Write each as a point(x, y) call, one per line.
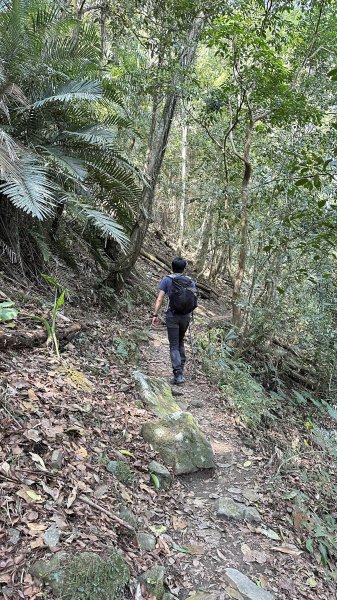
point(182, 300)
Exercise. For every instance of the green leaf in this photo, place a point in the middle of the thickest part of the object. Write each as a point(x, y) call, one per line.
point(309, 544)
point(183, 549)
point(158, 529)
point(332, 412)
point(324, 554)
point(50, 280)
point(73, 91)
point(126, 453)
point(7, 311)
point(155, 481)
point(60, 300)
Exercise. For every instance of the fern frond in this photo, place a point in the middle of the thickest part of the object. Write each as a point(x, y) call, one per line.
point(29, 188)
point(106, 224)
point(72, 91)
point(71, 165)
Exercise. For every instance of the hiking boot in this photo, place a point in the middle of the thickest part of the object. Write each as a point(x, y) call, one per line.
point(178, 379)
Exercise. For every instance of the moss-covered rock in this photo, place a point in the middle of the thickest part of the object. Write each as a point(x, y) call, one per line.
point(146, 541)
point(156, 394)
point(121, 470)
point(180, 442)
point(84, 576)
point(153, 579)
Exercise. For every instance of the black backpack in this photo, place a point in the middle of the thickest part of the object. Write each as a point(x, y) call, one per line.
point(183, 297)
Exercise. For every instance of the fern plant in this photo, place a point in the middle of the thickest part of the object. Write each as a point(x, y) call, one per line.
point(59, 119)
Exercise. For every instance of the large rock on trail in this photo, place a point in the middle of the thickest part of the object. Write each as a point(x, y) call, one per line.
point(180, 442)
point(240, 587)
point(228, 508)
point(155, 394)
point(84, 576)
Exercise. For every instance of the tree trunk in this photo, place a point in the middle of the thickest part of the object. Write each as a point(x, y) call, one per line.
point(183, 187)
point(159, 134)
point(239, 275)
point(204, 238)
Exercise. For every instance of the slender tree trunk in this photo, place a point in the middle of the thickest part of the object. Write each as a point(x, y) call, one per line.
point(204, 238)
point(240, 272)
point(183, 186)
point(159, 135)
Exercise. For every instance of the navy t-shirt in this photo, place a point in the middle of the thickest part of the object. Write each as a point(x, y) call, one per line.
point(166, 286)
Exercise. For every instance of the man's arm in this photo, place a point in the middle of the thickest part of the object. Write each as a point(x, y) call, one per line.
point(158, 303)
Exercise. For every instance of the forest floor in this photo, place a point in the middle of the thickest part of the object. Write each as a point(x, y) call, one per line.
point(86, 408)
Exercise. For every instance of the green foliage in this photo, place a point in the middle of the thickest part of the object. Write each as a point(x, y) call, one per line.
point(8, 312)
point(233, 377)
point(59, 299)
point(59, 119)
point(123, 348)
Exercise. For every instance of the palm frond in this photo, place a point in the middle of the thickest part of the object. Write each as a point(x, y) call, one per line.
point(72, 165)
point(72, 91)
point(28, 187)
point(105, 223)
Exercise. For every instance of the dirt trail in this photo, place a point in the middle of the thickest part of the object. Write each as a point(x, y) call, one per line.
point(214, 543)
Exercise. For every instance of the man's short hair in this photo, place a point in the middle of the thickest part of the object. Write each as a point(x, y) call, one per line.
point(178, 264)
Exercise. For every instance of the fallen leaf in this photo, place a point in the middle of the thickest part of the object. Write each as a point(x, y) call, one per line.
point(178, 523)
point(29, 495)
point(158, 529)
point(37, 526)
point(5, 467)
point(269, 533)
point(72, 496)
point(183, 549)
point(196, 549)
point(37, 543)
point(288, 549)
point(36, 458)
point(101, 491)
point(31, 395)
point(311, 582)
point(81, 452)
point(250, 555)
point(33, 435)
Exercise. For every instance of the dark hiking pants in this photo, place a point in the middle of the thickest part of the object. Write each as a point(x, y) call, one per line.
point(177, 326)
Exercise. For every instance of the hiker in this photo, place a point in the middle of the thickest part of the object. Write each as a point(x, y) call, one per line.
point(182, 300)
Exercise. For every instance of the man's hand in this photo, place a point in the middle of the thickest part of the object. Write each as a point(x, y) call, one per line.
point(155, 321)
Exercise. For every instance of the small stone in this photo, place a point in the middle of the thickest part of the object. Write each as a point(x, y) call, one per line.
point(252, 515)
point(128, 516)
point(51, 536)
point(241, 587)
point(230, 509)
point(162, 473)
point(56, 459)
point(8, 591)
point(197, 403)
point(146, 541)
point(234, 490)
point(121, 470)
point(153, 579)
point(14, 535)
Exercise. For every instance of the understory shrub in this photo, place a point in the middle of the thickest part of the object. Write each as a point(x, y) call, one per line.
point(233, 377)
